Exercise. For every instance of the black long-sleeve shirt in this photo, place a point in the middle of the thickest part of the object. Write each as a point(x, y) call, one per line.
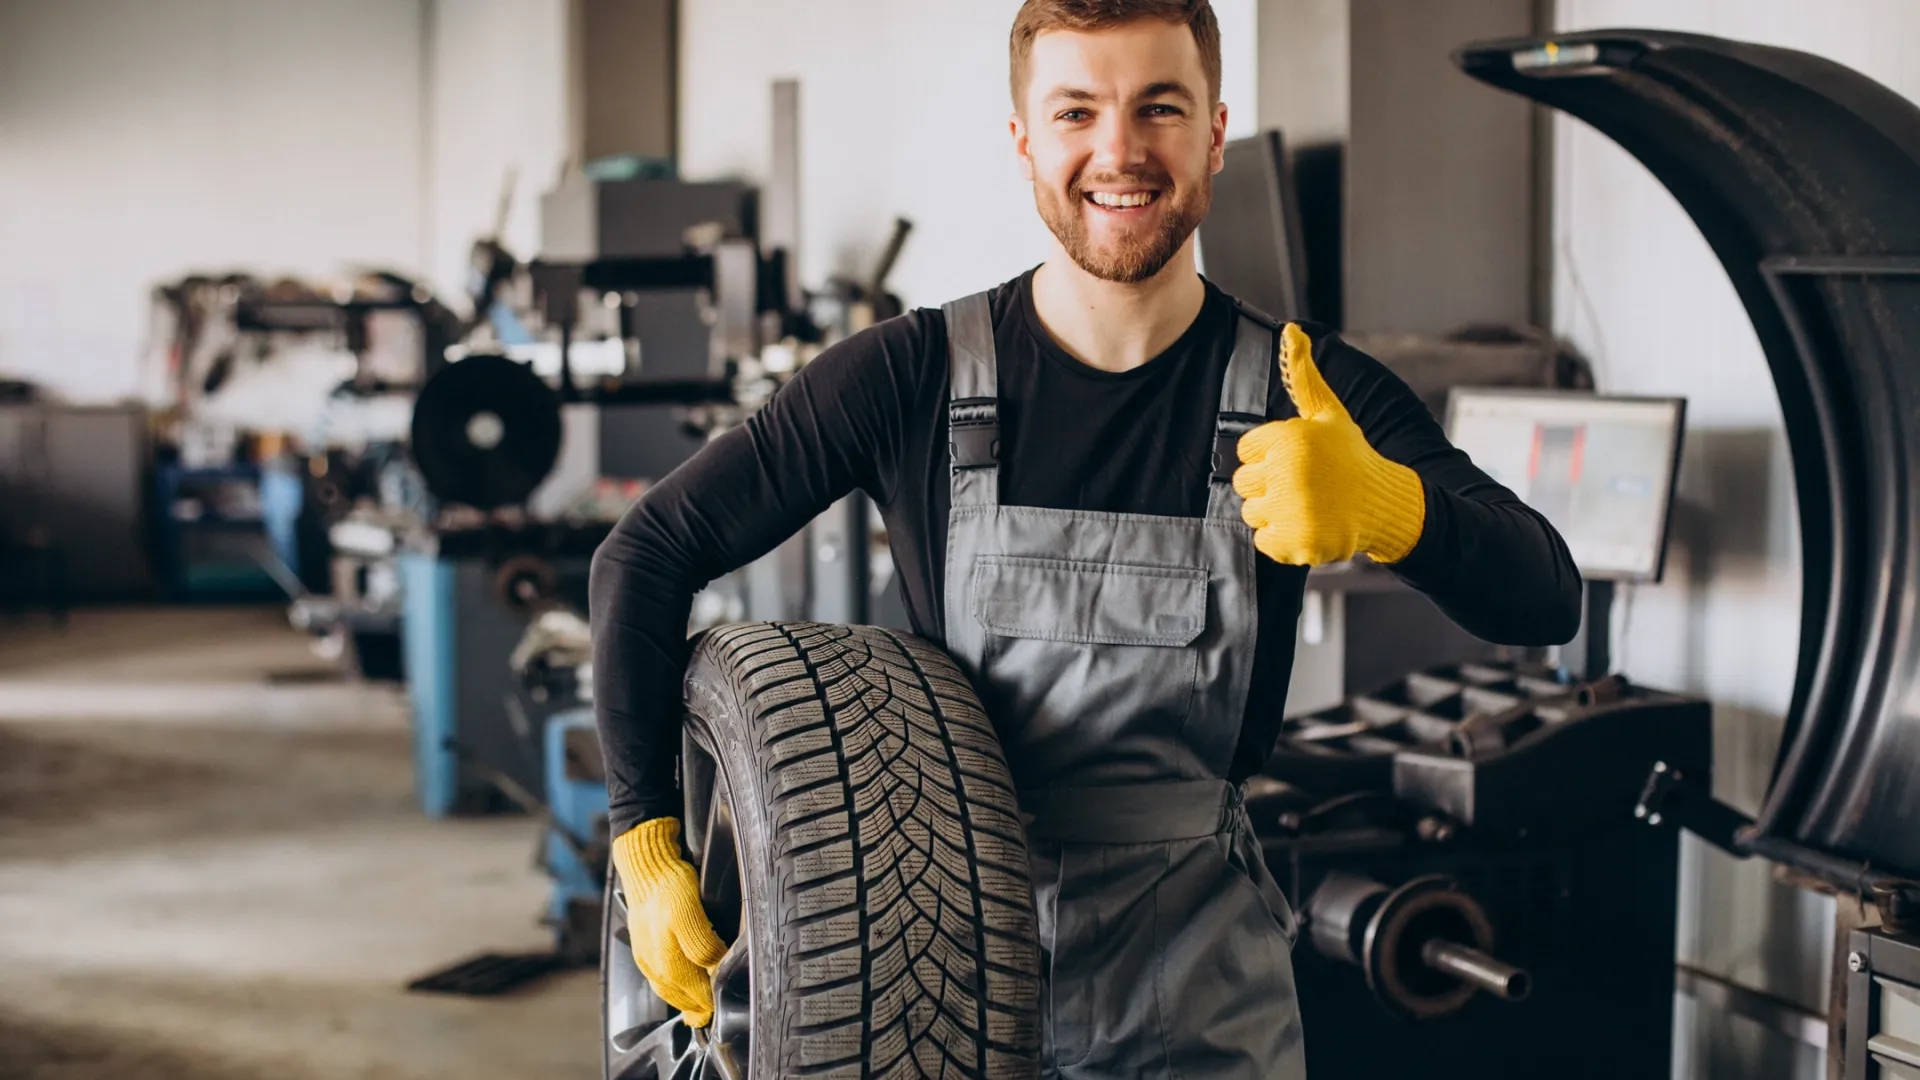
point(870, 413)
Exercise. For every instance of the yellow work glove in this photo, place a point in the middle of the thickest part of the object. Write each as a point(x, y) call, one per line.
point(673, 942)
point(1315, 491)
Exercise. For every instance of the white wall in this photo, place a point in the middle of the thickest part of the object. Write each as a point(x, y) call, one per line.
point(1304, 87)
point(1636, 286)
point(496, 100)
point(140, 141)
point(904, 107)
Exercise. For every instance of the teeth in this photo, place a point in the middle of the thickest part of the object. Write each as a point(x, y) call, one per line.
point(1137, 198)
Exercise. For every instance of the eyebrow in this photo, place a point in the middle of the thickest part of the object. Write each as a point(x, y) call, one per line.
point(1162, 89)
point(1068, 93)
point(1152, 90)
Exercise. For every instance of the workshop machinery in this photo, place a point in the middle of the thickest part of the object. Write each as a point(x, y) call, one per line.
point(1882, 1021)
point(553, 664)
point(75, 495)
point(488, 431)
point(1750, 140)
point(498, 650)
point(500, 667)
point(550, 667)
point(1800, 174)
point(370, 500)
point(660, 313)
point(208, 331)
point(284, 469)
point(514, 457)
point(575, 849)
point(1476, 893)
point(478, 746)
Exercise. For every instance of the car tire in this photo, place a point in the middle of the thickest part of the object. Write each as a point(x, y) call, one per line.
point(854, 825)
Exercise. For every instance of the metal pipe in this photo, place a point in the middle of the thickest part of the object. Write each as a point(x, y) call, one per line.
point(1502, 980)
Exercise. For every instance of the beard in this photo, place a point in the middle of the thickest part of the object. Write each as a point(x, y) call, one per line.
point(1136, 255)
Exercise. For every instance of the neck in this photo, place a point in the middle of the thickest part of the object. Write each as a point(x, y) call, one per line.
point(1113, 326)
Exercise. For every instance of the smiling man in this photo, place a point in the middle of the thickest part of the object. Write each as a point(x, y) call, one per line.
point(1104, 483)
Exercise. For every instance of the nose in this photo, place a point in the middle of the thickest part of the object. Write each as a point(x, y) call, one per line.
point(1118, 145)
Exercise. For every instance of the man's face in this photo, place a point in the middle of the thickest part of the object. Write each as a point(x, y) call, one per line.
point(1121, 141)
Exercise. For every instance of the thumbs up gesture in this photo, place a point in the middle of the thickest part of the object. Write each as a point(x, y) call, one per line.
point(1315, 491)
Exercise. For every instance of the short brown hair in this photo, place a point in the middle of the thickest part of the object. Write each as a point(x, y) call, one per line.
point(1039, 16)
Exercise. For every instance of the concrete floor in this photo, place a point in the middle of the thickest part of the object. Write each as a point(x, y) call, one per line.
point(211, 866)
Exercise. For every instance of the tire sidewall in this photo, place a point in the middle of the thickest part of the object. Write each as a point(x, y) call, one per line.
point(734, 749)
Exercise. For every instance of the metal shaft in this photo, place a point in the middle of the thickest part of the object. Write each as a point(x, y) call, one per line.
point(1502, 980)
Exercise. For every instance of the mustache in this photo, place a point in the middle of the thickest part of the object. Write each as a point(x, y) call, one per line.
point(1141, 178)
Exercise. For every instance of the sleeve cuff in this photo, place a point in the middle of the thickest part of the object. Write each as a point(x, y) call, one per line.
point(1432, 551)
point(622, 818)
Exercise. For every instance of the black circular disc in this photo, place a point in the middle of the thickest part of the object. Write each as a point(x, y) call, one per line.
point(486, 431)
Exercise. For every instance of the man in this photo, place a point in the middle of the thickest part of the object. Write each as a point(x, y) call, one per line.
point(1055, 462)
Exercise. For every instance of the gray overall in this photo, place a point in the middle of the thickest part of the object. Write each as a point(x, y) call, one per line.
point(1114, 653)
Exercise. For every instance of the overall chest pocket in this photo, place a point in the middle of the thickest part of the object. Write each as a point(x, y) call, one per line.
point(1089, 603)
point(1092, 661)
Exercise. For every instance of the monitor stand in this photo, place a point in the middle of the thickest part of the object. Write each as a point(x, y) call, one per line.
point(1589, 655)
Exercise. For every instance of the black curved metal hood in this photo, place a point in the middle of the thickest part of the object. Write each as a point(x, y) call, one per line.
point(1804, 176)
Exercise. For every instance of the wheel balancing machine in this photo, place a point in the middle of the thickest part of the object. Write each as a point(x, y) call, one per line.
point(1477, 896)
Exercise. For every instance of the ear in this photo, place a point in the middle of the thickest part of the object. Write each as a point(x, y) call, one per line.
point(1217, 157)
point(1018, 128)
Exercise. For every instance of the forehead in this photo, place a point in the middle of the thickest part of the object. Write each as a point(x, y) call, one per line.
point(1115, 62)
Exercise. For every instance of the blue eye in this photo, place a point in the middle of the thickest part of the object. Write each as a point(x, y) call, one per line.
point(1073, 115)
point(1162, 110)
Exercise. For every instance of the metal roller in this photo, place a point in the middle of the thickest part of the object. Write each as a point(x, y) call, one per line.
point(486, 431)
point(1500, 979)
point(525, 584)
point(1422, 946)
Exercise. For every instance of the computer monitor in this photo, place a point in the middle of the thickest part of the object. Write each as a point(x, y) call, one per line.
point(1600, 468)
point(1250, 241)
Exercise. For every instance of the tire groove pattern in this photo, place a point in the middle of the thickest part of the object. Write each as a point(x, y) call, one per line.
point(906, 943)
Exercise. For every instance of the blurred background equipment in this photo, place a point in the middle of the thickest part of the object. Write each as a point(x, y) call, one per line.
point(1253, 236)
point(72, 503)
point(685, 318)
point(656, 324)
point(486, 433)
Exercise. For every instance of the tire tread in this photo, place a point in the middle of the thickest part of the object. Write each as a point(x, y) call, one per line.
point(907, 937)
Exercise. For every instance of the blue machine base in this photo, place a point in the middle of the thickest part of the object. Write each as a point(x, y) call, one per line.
point(578, 804)
point(426, 636)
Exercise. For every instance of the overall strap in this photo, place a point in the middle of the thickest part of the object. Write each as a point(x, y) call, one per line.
point(973, 407)
point(1243, 402)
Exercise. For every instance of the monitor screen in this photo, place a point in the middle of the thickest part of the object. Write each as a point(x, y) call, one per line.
point(1600, 468)
point(1250, 240)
